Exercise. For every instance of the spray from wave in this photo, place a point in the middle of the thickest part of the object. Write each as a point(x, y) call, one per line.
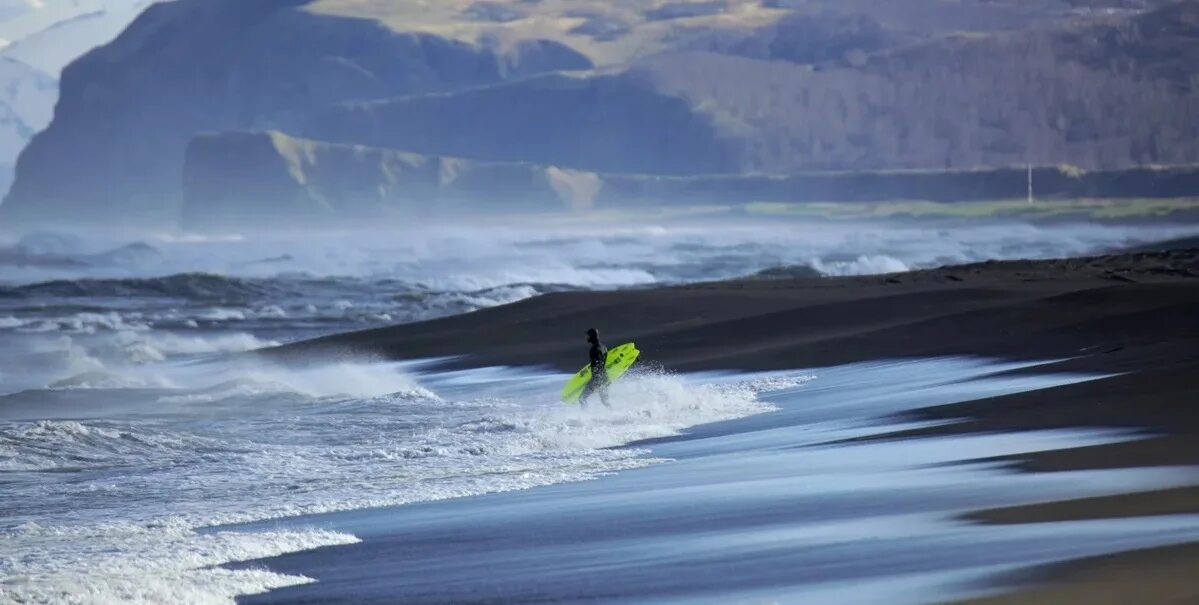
point(282, 441)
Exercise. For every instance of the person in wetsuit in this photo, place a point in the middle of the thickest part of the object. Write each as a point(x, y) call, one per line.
point(599, 370)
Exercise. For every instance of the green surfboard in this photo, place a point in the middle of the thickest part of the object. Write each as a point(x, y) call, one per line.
point(620, 359)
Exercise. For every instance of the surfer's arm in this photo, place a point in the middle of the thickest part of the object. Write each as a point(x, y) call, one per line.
point(597, 359)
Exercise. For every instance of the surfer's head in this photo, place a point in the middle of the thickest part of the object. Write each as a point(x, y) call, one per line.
point(592, 335)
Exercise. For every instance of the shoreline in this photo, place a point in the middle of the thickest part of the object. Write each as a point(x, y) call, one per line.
point(1053, 309)
point(1132, 316)
point(776, 505)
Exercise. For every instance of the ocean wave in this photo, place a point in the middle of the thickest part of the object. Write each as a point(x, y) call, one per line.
point(62, 252)
point(65, 253)
point(427, 303)
point(834, 267)
point(303, 443)
point(205, 301)
point(84, 323)
point(866, 264)
point(203, 286)
point(107, 380)
point(505, 291)
point(58, 445)
point(252, 378)
point(119, 356)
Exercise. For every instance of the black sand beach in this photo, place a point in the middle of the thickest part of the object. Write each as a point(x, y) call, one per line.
point(1127, 310)
point(1134, 316)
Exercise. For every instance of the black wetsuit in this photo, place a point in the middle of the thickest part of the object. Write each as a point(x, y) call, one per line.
point(599, 372)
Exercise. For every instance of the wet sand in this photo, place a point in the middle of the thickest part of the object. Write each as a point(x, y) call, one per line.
point(1135, 316)
point(1175, 501)
point(1156, 575)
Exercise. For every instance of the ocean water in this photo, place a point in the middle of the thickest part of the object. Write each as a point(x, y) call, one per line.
point(108, 507)
point(782, 506)
point(97, 310)
point(129, 423)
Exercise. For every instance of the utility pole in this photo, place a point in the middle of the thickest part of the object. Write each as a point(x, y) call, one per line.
point(1030, 184)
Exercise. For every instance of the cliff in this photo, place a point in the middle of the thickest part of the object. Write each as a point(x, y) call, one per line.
point(115, 149)
point(232, 180)
point(239, 179)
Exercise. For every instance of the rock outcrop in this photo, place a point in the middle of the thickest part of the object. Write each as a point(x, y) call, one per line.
point(240, 180)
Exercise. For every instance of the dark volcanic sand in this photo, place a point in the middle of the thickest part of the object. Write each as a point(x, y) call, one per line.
point(1136, 315)
point(1122, 310)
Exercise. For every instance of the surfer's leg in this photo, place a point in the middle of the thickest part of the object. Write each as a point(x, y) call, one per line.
point(603, 393)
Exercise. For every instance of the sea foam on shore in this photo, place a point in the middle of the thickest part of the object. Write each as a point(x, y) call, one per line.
point(240, 440)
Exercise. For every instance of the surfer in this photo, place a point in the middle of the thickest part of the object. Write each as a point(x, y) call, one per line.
point(599, 370)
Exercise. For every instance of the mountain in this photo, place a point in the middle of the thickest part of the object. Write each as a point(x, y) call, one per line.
point(39, 38)
point(613, 123)
point(1098, 95)
point(673, 89)
point(71, 29)
point(165, 79)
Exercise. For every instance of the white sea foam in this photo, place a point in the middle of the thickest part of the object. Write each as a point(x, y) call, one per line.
point(862, 265)
point(466, 258)
point(254, 377)
point(166, 562)
point(284, 441)
point(112, 358)
point(645, 406)
point(191, 344)
point(221, 314)
point(163, 439)
point(84, 323)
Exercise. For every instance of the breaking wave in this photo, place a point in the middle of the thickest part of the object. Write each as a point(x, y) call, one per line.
point(282, 442)
point(201, 286)
point(127, 428)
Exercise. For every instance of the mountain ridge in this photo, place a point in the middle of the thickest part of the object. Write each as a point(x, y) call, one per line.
point(149, 91)
point(892, 92)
